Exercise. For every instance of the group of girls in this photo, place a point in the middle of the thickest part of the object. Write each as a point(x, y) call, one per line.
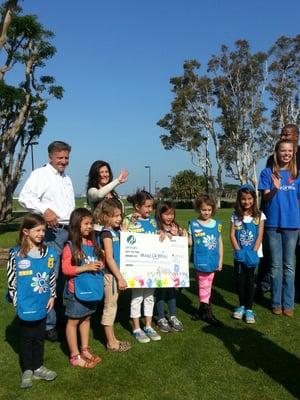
point(90, 261)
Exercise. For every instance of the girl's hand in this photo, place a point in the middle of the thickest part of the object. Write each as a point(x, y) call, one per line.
point(123, 176)
point(276, 181)
point(183, 232)
point(95, 266)
point(122, 284)
point(174, 230)
point(123, 228)
point(50, 304)
point(134, 217)
point(51, 218)
point(220, 267)
point(162, 235)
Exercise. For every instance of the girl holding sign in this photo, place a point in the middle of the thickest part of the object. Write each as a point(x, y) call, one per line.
point(206, 241)
point(141, 222)
point(82, 264)
point(165, 218)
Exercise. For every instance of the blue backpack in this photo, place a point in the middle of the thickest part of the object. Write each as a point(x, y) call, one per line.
point(88, 286)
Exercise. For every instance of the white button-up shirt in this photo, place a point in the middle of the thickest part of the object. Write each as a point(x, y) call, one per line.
point(48, 188)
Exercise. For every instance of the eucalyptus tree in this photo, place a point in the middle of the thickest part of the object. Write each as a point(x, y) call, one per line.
point(224, 107)
point(191, 123)
point(284, 81)
point(26, 46)
point(240, 80)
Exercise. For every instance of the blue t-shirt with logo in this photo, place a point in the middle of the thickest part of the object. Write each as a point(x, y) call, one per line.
point(283, 209)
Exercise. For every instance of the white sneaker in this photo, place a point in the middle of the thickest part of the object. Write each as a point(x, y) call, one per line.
point(141, 336)
point(152, 334)
point(176, 324)
point(163, 325)
point(249, 317)
point(26, 379)
point(238, 312)
point(44, 373)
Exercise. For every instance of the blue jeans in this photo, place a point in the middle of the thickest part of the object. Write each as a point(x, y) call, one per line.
point(282, 245)
point(57, 238)
point(162, 294)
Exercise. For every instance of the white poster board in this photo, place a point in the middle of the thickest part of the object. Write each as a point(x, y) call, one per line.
point(146, 262)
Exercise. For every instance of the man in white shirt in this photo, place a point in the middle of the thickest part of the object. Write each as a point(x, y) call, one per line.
point(49, 191)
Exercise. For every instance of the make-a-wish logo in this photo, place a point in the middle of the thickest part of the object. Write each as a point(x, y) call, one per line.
point(131, 239)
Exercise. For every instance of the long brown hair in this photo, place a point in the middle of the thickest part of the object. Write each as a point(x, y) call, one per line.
point(292, 168)
point(30, 221)
point(161, 208)
point(75, 236)
point(255, 213)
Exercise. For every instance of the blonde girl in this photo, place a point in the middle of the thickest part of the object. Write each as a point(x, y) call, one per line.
point(109, 214)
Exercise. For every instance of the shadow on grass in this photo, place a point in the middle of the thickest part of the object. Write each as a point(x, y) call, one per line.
point(122, 317)
point(226, 279)
point(12, 335)
point(252, 350)
point(123, 314)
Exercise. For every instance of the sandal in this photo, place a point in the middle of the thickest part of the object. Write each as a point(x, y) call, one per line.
point(74, 361)
point(87, 355)
point(123, 346)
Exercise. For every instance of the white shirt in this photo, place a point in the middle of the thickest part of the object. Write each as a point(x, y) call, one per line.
point(95, 194)
point(48, 188)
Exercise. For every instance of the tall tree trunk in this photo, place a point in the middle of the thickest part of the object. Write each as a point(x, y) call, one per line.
point(6, 199)
point(9, 9)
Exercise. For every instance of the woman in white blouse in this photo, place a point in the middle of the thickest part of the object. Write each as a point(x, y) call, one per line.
point(101, 184)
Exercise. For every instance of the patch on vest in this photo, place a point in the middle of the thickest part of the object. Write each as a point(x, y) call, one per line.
point(51, 262)
point(40, 282)
point(25, 273)
point(24, 264)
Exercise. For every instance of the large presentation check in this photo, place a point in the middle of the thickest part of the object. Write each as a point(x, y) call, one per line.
point(146, 262)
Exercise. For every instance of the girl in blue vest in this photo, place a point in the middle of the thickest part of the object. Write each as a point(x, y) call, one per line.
point(165, 218)
point(109, 214)
point(82, 264)
point(280, 186)
point(141, 222)
point(246, 233)
point(207, 251)
point(31, 288)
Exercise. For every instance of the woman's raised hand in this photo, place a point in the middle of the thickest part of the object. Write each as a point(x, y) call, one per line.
point(276, 181)
point(123, 176)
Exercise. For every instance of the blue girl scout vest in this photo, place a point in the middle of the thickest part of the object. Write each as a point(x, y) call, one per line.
point(147, 225)
point(116, 244)
point(89, 285)
point(246, 234)
point(205, 246)
point(33, 284)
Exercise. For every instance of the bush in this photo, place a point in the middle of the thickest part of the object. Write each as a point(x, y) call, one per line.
point(184, 204)
point(227, 204)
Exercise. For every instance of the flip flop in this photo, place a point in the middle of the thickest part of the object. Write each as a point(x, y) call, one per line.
point(123, 346)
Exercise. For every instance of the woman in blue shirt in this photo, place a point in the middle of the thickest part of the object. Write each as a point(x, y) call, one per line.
point(280, 187)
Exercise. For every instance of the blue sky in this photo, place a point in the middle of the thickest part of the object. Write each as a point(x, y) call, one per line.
point(115, 59)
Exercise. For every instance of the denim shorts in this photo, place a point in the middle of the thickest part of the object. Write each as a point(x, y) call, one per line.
point(76, 308)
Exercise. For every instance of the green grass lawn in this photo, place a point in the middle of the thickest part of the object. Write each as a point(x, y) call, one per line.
point(235, 362)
